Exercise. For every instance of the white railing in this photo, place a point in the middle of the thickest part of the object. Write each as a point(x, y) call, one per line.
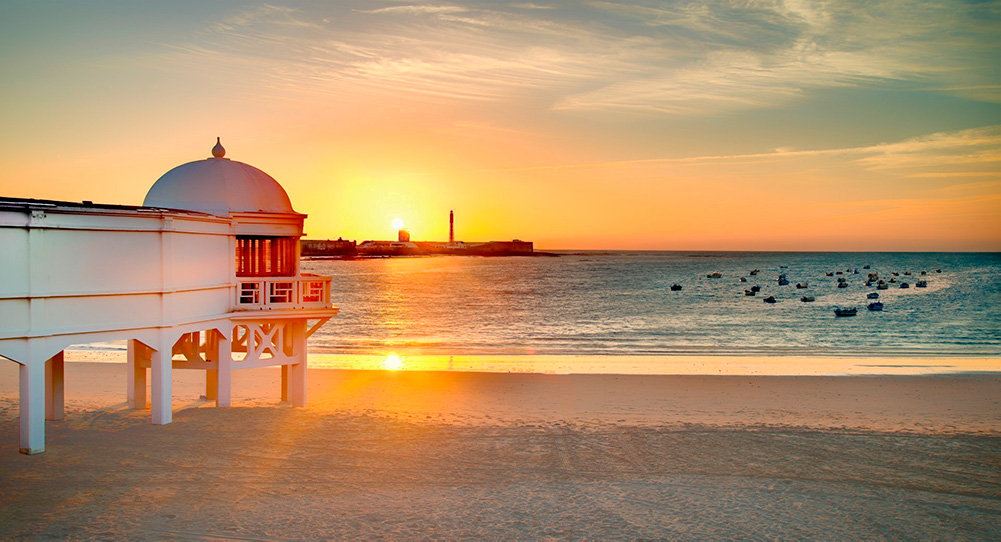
point(272, 293)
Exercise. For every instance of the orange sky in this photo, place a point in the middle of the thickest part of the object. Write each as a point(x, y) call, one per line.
point(703, 125)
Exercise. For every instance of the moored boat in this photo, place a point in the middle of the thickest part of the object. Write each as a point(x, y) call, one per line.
point(873, 295)
point(877, 306)
point(675, 287)
point(770, 299)
point(808, 299)
point(839, 312)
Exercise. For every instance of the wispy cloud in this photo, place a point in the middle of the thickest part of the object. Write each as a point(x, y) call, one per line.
point(678, 58)
point(977, 146)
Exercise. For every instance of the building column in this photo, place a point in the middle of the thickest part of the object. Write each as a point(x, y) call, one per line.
point(54, 389)
point(211, 375)
point(138, 356)
point(224, 375)
point(285, 382)
point(161, 370)
point(211, 383)
point(297, 372)
point(31, 378)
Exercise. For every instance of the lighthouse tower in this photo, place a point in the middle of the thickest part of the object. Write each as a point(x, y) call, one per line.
point(451, 227)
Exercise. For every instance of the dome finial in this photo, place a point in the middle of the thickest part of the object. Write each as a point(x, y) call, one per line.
point(218, 151)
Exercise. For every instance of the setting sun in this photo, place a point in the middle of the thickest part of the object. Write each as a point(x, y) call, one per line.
point(397, 223)
point(392, 363)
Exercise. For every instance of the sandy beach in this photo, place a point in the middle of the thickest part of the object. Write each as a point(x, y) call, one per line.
point(422, 455)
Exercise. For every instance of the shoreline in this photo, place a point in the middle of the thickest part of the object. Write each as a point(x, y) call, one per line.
point(749, 365)
point(965, 403)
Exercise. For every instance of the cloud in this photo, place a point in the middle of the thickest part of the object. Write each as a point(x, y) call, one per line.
point(976, 146)
point(677, 58)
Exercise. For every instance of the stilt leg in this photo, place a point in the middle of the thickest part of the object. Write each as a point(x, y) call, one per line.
point(284, 382)
point(161, 403)
point(136, 373)
point(32, 408)
point(224, 376)
point(54, 397)
point(297, 372)
point(211, 383)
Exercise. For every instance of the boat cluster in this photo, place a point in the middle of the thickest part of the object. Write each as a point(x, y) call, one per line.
point(872, 280)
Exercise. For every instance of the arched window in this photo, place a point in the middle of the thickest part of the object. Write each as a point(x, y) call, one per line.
point(259, 256)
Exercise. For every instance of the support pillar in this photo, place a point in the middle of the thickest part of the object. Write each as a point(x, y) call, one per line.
point(162, 389)
point(224, 376)
point(285, 382)
point(54, 388)
point(138, 357)
point(211, 383)
point(211, 354)
point(31, 378)
point(297, 372)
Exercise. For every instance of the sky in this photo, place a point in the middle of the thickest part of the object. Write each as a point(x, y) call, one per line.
point(659, 125)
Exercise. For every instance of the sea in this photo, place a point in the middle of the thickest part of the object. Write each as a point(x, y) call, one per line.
point(615, 311)
point(621, 303)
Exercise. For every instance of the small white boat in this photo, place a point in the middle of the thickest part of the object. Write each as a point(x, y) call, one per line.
point(802, 285)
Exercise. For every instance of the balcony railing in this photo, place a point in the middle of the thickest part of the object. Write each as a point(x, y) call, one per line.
point(274, 293)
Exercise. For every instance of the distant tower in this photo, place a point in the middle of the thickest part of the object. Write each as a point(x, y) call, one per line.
point(403, 236)
point(451, 227)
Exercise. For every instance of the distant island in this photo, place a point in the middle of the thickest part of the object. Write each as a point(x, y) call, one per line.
point(347, 249)
point(403, 246)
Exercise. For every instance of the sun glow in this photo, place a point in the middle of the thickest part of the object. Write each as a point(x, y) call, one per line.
point(397, 223)
point(392, 363)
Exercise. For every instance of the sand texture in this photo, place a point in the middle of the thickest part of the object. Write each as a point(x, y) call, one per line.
point(465, 455)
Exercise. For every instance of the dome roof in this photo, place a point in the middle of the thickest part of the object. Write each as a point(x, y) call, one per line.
point(218, 186)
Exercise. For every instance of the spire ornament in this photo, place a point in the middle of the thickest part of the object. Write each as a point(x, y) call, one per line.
point(218, 151)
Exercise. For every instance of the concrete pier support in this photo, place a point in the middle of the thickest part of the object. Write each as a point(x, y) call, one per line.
point(138, 359)
point(211, 383)
point(161, 374)
point(32, 407)
point(224, 375)
point(54, 388)
point(297, 372)
point(285, 382)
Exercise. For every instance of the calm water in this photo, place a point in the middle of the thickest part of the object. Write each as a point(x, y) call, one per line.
point(620, 303)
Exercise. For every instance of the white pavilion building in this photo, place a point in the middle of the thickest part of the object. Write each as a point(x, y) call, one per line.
point(205, 275)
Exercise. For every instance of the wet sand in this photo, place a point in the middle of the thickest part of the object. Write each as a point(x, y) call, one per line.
point(470, 455)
